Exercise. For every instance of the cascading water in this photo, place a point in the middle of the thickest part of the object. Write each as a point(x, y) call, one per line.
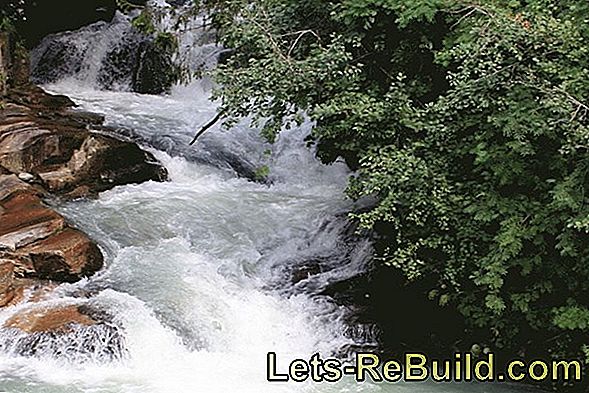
point(198, 282)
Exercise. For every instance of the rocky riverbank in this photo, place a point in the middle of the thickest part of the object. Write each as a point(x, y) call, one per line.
point(50, 150)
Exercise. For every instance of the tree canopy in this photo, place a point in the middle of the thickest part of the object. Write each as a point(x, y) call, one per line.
point(469, 123)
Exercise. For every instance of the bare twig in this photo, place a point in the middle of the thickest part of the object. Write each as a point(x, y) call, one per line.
point(573, 100)
point(207, 126)
point(269, 35)
point(463, 17)
point(301, 35)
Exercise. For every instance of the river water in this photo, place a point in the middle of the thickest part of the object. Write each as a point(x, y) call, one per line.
point(198, 270)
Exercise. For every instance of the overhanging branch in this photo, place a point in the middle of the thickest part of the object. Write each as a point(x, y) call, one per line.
point(207, 126)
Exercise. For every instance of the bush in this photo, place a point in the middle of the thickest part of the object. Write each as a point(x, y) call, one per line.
point(469, 122)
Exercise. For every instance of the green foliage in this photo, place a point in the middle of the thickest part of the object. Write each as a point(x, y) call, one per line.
point(144, 22)
point(126, 6)
point(262, 173)
point(469, 123)
point(10, 13)
point(5, 24)
point(167, 42)
point(572, 318)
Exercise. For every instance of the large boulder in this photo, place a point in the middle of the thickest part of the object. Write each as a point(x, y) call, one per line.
point(55, 59)
point(37, 241)
point(104, 162)
point(27, 224)
point(155, 73)
point(65, 256)
point(130, 59)
point(63, 155)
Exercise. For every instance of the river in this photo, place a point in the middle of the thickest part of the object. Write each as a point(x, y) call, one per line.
point(198, 269)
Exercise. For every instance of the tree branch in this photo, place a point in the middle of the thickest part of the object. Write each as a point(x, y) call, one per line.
point(207, 126)
point(301, 34)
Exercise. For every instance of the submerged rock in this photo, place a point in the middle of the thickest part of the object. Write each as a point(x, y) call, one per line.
point(41, 319)
point(75, 333)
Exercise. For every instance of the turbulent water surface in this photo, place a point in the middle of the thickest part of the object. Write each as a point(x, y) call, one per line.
point(198, 270)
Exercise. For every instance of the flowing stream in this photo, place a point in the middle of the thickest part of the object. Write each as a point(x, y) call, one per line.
point(198, 275)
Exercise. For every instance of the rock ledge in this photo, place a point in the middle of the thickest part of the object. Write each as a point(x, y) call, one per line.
point(47, 148)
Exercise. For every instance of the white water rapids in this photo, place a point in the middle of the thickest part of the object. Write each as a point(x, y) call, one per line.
point(197, 269)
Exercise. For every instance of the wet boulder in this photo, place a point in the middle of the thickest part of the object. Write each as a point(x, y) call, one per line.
point(56, 59)
point(155, 72)
point(111, 55)
point(66, 256)
point(49, 319)
point(46, 329)
point(104, 162)
point(27, 224)
point(55, 147)
point(36, 240)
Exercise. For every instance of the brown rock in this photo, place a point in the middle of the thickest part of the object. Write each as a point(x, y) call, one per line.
point(44, 320)
point(38, 148)
point(13, 126)
point(35, 329)
point(36, 239)
point(23, 265)
point(27, 225)
point(86, 118)
point(58, 180)
point(32, 291)
point(11, 185)
point(11, 292)
point(13, 113)
point(6, 275)
point(80, 192)
point(24, 149)
point(42, 136)
point(18, 202)
point(103, 162)
point(35, 98)
point(11, 297)
point(66, 256)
